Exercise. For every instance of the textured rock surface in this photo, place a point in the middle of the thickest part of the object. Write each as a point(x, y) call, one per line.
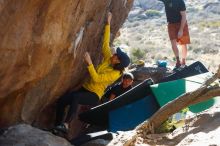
point(155, 73)
point(25, 135)
point(42, 43)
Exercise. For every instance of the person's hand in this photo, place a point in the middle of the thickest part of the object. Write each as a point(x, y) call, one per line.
point(180, 34)
point(87, 58)
point(109, 17)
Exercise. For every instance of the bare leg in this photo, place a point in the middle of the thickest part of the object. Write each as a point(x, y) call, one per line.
point(176, 52)
point(174, 47)
point(184, 53)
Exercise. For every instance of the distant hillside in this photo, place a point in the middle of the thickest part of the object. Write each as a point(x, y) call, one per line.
point(145, 33)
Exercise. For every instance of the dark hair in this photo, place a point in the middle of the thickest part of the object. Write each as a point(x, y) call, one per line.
point(118, 67)
point(123, 57)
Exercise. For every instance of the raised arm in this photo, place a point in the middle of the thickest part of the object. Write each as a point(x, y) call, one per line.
point(106, 40)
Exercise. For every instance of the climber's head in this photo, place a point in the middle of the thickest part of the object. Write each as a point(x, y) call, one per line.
point(120, 59)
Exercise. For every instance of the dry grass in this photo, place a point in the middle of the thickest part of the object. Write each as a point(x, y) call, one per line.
point(150, 35)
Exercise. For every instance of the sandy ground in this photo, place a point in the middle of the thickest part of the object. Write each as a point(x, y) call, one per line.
point(199, 130)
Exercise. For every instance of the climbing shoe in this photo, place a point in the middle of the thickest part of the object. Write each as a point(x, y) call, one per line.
point(61, 128)
point(177, 68)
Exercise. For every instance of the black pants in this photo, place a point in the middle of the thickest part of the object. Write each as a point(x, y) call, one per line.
point(81, 96)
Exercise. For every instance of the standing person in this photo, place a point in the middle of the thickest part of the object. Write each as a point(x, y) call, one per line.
point(177, 28)
point(120, 88)
point(92, 90)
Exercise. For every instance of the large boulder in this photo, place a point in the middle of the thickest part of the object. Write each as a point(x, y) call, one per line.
point(26, 135)
point(42, 44)
point(155, 73)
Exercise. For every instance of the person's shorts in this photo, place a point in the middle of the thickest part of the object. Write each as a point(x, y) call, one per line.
point(173, 29)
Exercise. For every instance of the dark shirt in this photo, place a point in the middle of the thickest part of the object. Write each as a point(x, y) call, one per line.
point(116, 90)
point(173, 8)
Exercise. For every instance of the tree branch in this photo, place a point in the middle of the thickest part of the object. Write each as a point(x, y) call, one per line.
point(203, 93)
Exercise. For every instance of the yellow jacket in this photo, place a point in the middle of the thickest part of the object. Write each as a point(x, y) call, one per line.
point(104, 75)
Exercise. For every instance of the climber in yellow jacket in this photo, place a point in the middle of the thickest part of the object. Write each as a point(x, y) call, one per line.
point(92, 90)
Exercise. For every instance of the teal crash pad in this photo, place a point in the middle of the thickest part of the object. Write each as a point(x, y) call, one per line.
point(168, 91)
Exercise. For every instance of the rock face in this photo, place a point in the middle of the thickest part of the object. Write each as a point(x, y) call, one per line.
point(22, 135)
point(42, 44)
point(155, 73)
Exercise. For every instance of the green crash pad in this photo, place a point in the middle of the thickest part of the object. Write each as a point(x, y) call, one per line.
point(168, 91)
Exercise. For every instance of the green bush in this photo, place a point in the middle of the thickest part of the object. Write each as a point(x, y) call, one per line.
point(167, 126)
point(152, 13)
point(137, 54)
point(171, 124)
point(117, 42)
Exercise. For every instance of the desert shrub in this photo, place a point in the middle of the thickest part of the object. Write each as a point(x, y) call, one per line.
point(167, 126)
point(158, 57)
point(205, 49)
point(117, 42)
point(210, 24)
point(192, 9)
point(135, 24)
point(137, 54)
point(127, 42)
point(138, 37)
point(152, 13)
point(190, 48)
point(210, 50)
point(172, 123)
point(197, 50)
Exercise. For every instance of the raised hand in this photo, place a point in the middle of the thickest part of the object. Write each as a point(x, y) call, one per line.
point(87, 58)
point(109, 18)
